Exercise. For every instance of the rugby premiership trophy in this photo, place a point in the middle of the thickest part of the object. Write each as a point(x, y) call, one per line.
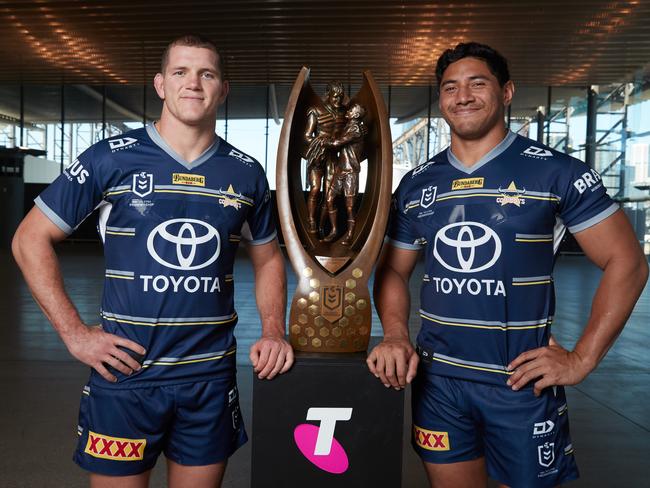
point(333, 234)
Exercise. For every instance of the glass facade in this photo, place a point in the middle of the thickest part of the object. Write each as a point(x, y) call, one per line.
point(607, 126)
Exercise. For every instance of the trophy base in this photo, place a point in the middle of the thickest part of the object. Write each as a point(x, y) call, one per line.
point(371, 440)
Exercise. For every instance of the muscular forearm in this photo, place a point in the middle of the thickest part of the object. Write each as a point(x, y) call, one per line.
point(621, 284)
point(271, 296)
point(392, 300)
point(39, 264)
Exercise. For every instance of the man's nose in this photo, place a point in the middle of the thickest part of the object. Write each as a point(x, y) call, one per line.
point(464, 94)
point(194, 81)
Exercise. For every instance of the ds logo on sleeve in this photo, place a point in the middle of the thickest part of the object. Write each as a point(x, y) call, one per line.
point(120, 144)
point(317, 443)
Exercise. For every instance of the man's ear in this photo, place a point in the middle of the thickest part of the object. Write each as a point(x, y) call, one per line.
point(225, 89)
point(508, 92)
point(158, 85)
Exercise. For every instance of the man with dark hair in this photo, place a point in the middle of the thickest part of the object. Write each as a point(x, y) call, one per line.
point(489, 212)
point(174, 202)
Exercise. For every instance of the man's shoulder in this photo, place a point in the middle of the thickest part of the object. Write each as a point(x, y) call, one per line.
point(243, 161)
point(125, 143)
point(533, 151)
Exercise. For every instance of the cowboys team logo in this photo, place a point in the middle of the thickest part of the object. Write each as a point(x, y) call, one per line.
point(142, 184)
point(230, 198)
point(332, 303)
point(428, 196)
point(512, 194)
point(546, 454)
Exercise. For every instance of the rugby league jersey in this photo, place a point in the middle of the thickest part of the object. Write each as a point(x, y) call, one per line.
point(490, 233)
point(170, 231)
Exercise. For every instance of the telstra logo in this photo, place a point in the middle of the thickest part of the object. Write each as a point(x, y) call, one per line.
point(317, 443)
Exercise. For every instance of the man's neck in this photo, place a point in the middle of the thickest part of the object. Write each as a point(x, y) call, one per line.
point(471, 151)
point(189, 141)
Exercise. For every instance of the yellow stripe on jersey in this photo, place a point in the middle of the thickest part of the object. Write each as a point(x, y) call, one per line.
point(478, 368)
point(526, 283)
point(169, 324)
point(489, 327)
point(219, 197)
point(191, 361)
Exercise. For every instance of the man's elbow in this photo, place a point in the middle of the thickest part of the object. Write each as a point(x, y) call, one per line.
point(642, 269)
point(18, 244)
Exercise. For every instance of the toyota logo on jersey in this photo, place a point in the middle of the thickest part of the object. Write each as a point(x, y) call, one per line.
point(185, 244)
point(467, 247)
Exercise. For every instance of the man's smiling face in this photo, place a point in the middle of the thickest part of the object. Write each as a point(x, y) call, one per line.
point(471, 99)
point(191, 86)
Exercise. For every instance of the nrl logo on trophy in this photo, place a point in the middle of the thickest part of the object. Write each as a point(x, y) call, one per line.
point(332, 227)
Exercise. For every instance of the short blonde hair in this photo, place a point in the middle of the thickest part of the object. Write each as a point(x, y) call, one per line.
point(192, 40)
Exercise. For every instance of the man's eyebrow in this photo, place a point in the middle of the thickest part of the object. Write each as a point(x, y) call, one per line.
point(447, 82)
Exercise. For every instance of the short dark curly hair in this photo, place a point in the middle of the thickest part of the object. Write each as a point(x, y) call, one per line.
point(496, 62)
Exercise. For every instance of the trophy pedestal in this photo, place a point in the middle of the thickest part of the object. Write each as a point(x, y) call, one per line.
point(365, 450)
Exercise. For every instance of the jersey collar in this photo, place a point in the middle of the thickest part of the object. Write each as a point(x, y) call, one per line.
point(494, 152)
point(157, 139)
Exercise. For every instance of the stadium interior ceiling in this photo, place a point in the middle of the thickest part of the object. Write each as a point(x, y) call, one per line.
point(88, 45)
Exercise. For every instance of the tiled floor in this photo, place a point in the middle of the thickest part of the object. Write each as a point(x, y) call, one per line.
point(40, 383)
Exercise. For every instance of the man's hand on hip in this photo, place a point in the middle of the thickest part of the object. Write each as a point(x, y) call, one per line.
point(547, 366)
point(99, 349)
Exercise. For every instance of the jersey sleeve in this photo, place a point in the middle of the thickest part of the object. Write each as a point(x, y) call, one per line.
point(74, 194)
point(402, 232)
point(259, 227)
point(583, 200)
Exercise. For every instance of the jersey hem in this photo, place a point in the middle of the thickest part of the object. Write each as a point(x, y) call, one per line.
point(594, 220)
point(52, 215)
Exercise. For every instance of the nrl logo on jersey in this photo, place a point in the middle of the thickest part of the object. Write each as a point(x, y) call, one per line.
point(230, 198)
point(512, 194)
point(244, 158)
point(537, 152)
point(428, 196)
point(142, 184)
point(121, 144)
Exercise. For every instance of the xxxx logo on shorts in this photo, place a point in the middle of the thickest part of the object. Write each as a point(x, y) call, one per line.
point(115, 448)
point(431, 440)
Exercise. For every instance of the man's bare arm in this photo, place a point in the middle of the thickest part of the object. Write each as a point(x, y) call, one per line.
point(271, 354)
point(33, 249)
point(613, 247)
point(394, 361)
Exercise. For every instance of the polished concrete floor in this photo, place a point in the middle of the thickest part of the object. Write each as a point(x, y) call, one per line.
point(41, 384)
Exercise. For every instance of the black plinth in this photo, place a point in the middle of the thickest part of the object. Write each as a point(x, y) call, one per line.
point(329, 385)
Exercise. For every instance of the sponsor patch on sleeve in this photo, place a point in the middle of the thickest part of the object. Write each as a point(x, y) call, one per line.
point(430, 439)
point(115, 448)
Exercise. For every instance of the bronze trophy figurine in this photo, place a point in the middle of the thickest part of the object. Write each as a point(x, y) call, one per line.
point(334, 136)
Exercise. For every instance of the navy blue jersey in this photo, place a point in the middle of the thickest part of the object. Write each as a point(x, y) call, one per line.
point(490, 233)
point(170, 230)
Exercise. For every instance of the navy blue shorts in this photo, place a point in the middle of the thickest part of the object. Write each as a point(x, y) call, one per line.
point(123, 431)
point(525, 439)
